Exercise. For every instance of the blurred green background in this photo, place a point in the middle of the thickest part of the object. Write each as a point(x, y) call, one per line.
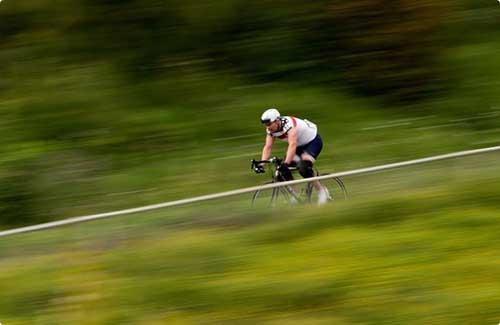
point(114, 104)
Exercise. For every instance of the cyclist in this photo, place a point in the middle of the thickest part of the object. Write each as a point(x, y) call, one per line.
point(304, 146)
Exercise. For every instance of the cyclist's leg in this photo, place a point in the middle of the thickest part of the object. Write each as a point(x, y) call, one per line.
point(308, 154)
point(311, 151)
point(306, 168)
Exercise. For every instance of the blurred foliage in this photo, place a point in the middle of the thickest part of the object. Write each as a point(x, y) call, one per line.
point(117, 96)
point(385, 47)
point(108, 104)
point(421, 250)
point(380, 47)
point(17, 200)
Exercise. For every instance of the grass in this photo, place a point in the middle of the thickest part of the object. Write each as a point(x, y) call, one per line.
point(131, 150)
point(414, 245)
point(419, 250)
point(212, 161)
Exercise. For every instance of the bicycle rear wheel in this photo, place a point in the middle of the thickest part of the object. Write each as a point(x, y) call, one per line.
point(335, 186)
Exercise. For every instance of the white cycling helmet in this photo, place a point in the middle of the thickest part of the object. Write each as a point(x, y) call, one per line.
point(269, 116)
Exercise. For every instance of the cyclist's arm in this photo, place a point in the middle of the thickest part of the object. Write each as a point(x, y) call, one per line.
point(266, 151)
point(292, 145)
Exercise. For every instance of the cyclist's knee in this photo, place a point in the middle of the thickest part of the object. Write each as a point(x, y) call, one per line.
point(306, 168)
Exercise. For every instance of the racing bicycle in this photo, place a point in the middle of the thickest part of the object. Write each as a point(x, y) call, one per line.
point(293, 194)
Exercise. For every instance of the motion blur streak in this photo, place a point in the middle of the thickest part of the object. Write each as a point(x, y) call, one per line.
point(242, 191)
point(109, 105)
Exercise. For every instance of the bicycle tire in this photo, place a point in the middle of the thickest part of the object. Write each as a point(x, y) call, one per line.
point(272, 197)
point(336, 187)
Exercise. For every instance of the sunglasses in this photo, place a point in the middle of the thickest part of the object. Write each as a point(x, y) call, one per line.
point(267, 122)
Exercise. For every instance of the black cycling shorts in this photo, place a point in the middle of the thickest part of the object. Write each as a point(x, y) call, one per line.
point(313, 148)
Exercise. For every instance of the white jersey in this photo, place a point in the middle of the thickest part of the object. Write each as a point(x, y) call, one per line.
point(306, 130)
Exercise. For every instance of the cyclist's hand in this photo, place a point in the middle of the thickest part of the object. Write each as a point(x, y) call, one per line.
point(259, 169)
point(285, 172)
point(284, 168)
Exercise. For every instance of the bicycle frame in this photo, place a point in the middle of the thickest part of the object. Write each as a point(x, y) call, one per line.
point(289, 192)
point(275, 164)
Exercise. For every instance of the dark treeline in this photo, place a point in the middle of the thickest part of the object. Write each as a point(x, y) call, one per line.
point(374, 46)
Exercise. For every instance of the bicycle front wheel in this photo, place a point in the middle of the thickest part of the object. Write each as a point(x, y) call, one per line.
point(284, 195)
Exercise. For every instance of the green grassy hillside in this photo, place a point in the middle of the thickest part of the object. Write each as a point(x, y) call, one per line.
point(411, 246)
point(92, 122)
